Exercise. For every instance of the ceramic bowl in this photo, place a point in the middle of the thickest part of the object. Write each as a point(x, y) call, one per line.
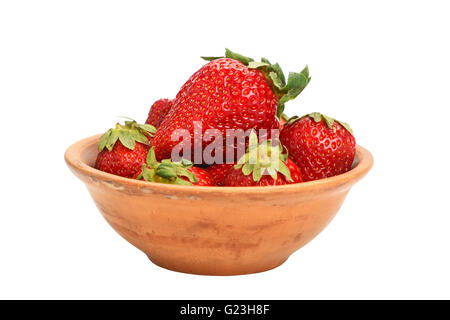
point(214, 230)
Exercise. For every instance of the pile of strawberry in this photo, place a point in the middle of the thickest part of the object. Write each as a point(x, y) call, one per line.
point(231, 92)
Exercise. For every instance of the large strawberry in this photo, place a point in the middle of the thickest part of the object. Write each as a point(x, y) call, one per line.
point(166, 171)
point(321, 146)
point(123, 149)
point(158, 112)
point(263, 165)
point(231, 92)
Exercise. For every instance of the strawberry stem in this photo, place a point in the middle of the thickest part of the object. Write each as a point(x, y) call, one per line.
point(167, 171)
point(263, 159)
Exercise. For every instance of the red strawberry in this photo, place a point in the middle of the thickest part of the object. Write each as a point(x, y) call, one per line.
point(218, 172)
point(321, 146)
point(124, 148)
point(263, 165)
point(166, 171)
point(203, 177)
point(158, 112)
point(231, 92)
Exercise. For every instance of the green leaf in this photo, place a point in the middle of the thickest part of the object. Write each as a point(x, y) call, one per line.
point(166, 171)
point(276, 67)
point(247, 169)
point(256, 174)
point(329, 121)
point(130, 124)
point(295, 85)
point(253, 148)
point(280, 109)
point(141, 175)
point(305, 73)
point(277, 82)
point(183, 172)
point(265, 61)
point(127, 140)
point(147, 128)
point(316, 116)
point(236, 56)
point(284, 170)
point(103, 140)
point(256, 65)
point(182, 182)
point(294, 81)
point(186, 163)
point(211, 58)
point(346, 126)
point(253, 140)
point(112, 139)
point(148, 174)
point(151, 158)
point(239, 165)
point(273, 173)
point(284, 153)
point(139, 137)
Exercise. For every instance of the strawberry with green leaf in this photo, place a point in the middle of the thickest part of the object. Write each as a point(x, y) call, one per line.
point(321, 146)
point(166, 171)
point(263, 165)
point(123, 149)
point(230, 92)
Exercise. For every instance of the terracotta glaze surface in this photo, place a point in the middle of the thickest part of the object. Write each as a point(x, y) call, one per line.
point(214, 230)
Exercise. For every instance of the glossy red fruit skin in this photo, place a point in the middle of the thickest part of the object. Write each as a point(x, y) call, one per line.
point(223, 94)
point(158, 112)
point(318, 150)
point(204, 178)
point(122, 161)
point(235, 178)
point(218, 172)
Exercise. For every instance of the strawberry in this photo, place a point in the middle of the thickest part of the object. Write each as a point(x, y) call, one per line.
point(203, 177)
point(321, 146)
point(166, 171)
point(123, 149)
point(218, 172)
point(231, 92)
point(158, 112)
point(263, 165)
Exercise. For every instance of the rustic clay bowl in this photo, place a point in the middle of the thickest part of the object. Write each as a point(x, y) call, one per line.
point(214, 230)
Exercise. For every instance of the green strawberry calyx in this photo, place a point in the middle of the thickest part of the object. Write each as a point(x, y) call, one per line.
point(263, 158)
point(167, 171)
point(318, 117)
point(127, 134)
point(285, 90)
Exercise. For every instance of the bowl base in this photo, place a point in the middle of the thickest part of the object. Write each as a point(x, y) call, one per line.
point(215, 271)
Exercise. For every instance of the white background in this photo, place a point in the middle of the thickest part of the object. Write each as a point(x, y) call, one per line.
point(68, 68)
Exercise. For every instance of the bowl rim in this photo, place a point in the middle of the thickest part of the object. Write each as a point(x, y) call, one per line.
point(73, 159)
